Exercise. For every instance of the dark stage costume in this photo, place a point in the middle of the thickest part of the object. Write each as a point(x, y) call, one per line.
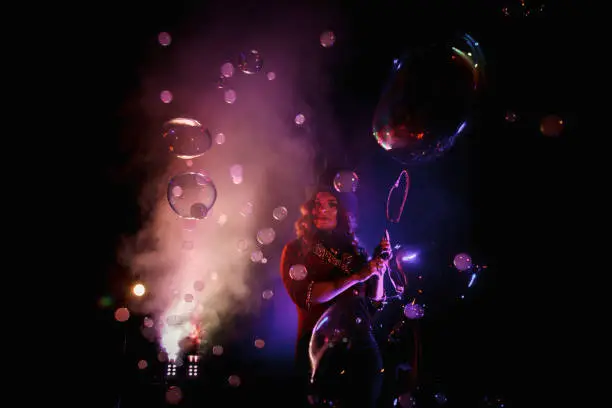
point(360, 384)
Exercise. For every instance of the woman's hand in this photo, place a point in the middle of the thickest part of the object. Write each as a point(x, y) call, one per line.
point(376, 267)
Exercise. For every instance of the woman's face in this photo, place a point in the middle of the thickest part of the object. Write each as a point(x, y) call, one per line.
point(325, 211)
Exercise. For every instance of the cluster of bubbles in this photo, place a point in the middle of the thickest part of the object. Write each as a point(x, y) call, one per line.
point(550, 125)
point(192, 195)
point(426, 105)
point(523, 8)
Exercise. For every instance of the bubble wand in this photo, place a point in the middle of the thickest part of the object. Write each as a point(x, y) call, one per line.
point(386, 255)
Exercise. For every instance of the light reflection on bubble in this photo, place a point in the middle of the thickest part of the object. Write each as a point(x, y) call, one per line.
point(551, 125)
point(234, 380)
point(299, 119)
point(259, 343)
point(148, 322)
point(266, 236)
point(198, 286)
point(227, 70)
point(229, 96)
point(164, 39)
point(222, 219)
point(346, 181)
point(219, 138)
point(250, 62)
point(462, 262)
point(327, 39)
point(510, 117)
point(247, 209)
point(174, 395)
point(166, 96)
point(279, 213)
point(298, 272)
point(122, 314)
point(256, 256)
point(242, 245)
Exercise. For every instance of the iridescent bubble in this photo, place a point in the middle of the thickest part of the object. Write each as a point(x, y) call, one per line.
point(122, 314)
point(165, 96)
point(299, 119)
point(235, 171)
point(271, 76)
point(259, 343)
point(462, 262)
point(429, 100)
point(188, 297)
point(186, 138)
point(327, 39)
point(164, 39)
point(217, 350)
point(267, 294)
point(234, 380)
point(220, 138)
point(198, 195)
point(229, 96)
point(148, 322)
point(340, 328)
point(198, 286)
point(510, 117)
point(247, 209)
point(227, 70)
point(189, 163)
point(346, 181)
point(174, 395)
point(250, 62)
point(298, 272)
point(142, 364)
point(256, 256)
point(242, 245)
point(414, 311)
point(266, 236)
point(551, 125)
point(279, 213)
point(222, 219)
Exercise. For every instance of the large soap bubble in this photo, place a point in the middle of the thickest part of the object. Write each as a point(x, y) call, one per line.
point(191, 195)
point(186, 138)
point(343, 326)
point(429, 99)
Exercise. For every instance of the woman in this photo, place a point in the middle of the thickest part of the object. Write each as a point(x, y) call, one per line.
point(337, 272)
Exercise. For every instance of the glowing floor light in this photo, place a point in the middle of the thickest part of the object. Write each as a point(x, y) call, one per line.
point(171, 369)
point(192, 368)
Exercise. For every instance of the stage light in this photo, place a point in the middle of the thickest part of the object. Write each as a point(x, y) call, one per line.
point(192, 368)
point(138, 289)
point(171, 369)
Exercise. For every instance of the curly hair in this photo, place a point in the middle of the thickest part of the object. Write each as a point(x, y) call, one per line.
point(344, 233)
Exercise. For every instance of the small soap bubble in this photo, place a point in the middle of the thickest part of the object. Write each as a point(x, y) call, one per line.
point(327, 39)
point(164, 39)
point(165, 96)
